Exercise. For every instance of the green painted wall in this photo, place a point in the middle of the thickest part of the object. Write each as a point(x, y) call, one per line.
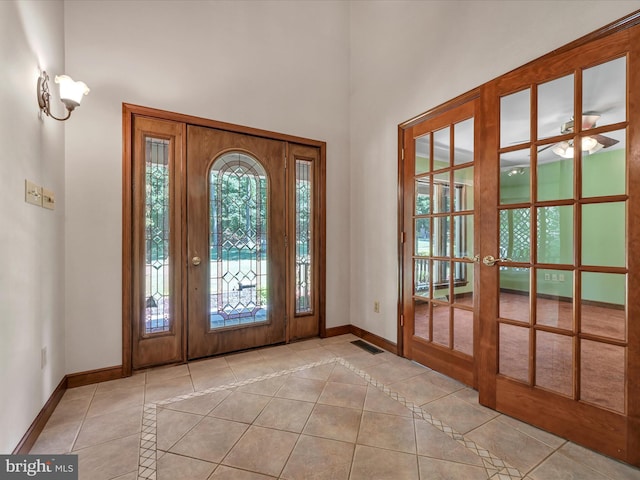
point(603, 225)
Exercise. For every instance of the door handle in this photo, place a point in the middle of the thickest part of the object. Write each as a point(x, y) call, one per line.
point(196, 261)
point(490, 261)
point(475, 258)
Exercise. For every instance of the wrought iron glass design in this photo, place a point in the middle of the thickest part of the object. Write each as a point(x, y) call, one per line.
point(157, 234)
point(304, 200)
point(238, 192)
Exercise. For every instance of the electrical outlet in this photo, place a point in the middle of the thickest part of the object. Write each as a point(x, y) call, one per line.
point(561, 277)
point(554, 277)
point(376, 306)
point(43, 357)
point(547, 277)
point(48, 199)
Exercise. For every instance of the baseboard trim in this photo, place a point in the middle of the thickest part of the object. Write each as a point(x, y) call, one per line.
point(30, 437)
point(94, 376)
point(68, 381)
point(363, 334)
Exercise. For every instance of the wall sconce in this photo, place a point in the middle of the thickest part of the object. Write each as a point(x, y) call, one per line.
point(71, 94)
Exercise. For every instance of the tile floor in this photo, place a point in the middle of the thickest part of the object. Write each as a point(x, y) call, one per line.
point(318, 409)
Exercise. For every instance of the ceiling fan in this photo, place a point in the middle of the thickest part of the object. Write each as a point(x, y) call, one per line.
point(589, 143)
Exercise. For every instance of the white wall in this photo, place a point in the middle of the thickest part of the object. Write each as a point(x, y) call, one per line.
point(408, 57)
point(31, 238)
point(276, 65)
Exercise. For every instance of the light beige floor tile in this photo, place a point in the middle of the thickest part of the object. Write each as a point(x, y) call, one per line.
point(545, 437)
point(600, 463)
point(114, 400)
point(458, 414)
point(443, 382)
point(343, 395)
point(57, 439)
point(431, 442)
point(278, 364)
point(200, 405)
point(387, 431)
point(305, 389)
point(377, 464)
point(433, 469)
point(109, 460)
point(514, 447)
point(166, 389)
point(347, 337)
point(319, 459)
point(70, 409)
point(227, 473)
point(241, 407)
point(342, 374)
point(165, 373)
point(419, 389)
point(316, 355)
point(212, 377)
point(321, 372)
point(210, 440)
point(251, 357)
point(560, 467)
point(175, 467)
point(264, 387)
point(127, 476)
point(102, 428)
point(378, 401)
point(336, 423)
point(285, 414)
point(262, 450)
point(364, 359)
point(245, 371)
point(84, 391)
point(279, 351)
point(208, 364)
point(389, 373)
point(344, 350)
point(305, 344)
point(172, 426)
point(126, 382)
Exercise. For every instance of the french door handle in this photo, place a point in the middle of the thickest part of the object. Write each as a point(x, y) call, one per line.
point(196, 261)
point(490, 261)
point(475, 258)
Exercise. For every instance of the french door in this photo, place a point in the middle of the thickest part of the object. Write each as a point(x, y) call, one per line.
point(223, 238)
point(556, 228)
point(440, 266)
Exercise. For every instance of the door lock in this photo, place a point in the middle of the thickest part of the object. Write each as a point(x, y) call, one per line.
point(196, 261)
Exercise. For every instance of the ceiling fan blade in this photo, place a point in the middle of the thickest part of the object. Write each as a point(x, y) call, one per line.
point(546, 147)
point(606, 142)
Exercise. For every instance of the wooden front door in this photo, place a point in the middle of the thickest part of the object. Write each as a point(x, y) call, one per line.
point(236, 234)
point(440, 262)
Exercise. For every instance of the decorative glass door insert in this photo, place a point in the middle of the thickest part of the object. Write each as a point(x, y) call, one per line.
point(238, 190)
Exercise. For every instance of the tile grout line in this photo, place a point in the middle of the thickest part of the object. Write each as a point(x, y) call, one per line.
point(147, 458)
point(147, 465)
point(495, 467)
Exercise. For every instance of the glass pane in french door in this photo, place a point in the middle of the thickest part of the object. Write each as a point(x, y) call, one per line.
point(562, 318)
point(443, 237)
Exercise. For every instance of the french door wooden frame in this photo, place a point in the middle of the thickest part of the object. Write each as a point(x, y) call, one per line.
point(174, 133)
point(614, 433)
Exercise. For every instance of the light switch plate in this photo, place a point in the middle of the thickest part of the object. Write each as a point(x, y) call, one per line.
point(32, 193)
point(48, 199)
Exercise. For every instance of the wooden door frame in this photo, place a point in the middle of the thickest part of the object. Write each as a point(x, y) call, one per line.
point(625, 429)
point(129, 111)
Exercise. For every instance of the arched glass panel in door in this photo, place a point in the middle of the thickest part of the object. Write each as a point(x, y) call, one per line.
point(238, 230)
